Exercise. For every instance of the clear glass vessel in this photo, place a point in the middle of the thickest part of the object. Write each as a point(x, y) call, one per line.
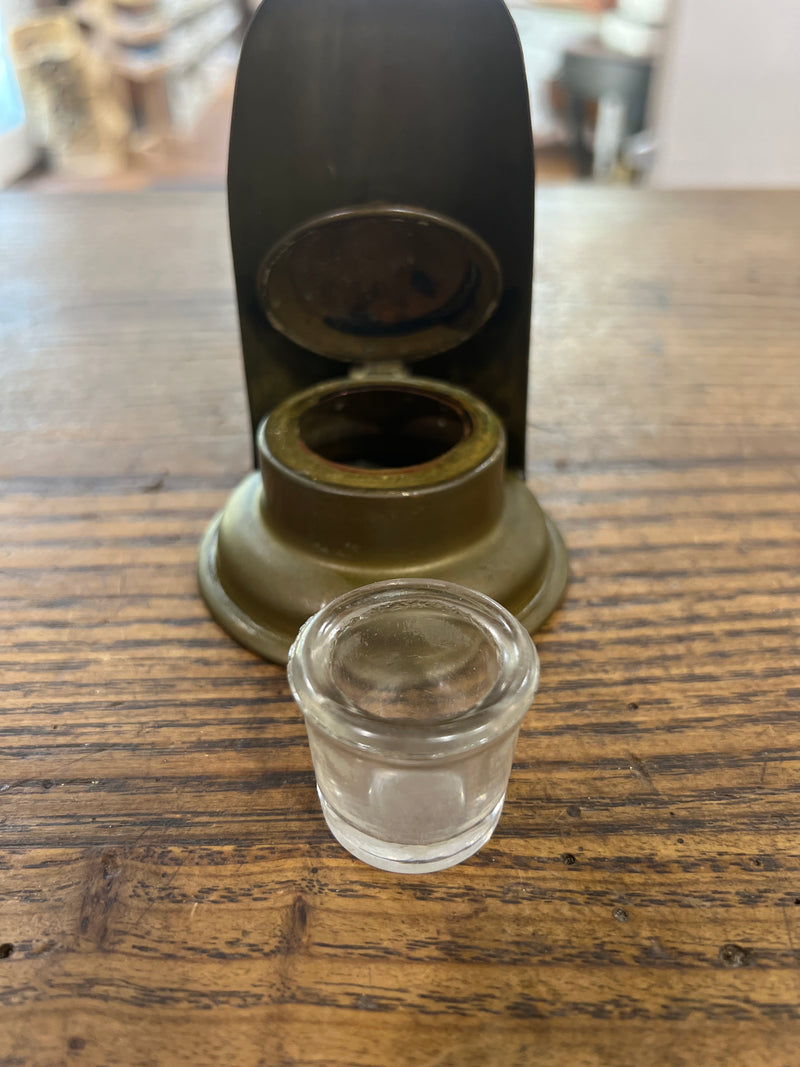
point(413, 692)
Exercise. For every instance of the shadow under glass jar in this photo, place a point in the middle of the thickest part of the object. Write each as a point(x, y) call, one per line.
point(413, 692)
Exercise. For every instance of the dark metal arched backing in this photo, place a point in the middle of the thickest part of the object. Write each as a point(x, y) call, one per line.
point(343, 104)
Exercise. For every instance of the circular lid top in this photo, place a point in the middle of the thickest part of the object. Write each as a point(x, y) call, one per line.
point(379, 283)
point(414, 668)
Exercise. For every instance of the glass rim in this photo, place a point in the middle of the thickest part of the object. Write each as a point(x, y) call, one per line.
point(493, 715)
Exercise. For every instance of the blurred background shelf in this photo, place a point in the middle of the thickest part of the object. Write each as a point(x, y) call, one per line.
point(159, 65)
point(692, 93)
point(174, 55)
point(139, 23)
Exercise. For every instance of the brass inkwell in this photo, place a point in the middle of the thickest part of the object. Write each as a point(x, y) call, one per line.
point(380, 189)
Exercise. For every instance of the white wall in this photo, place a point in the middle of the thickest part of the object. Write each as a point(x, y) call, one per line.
point(727, 107)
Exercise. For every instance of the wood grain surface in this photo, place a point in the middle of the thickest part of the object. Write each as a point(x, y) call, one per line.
point(169, 893)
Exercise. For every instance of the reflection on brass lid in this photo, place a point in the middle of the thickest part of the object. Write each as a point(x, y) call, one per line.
point(380, 283)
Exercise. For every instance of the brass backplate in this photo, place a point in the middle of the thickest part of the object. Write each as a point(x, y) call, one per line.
point(359, 105)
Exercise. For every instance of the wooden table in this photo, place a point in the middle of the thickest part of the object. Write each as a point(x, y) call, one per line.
point(169, 892)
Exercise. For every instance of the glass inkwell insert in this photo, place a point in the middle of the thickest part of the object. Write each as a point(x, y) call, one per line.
point(384, 302)
point(413, 693)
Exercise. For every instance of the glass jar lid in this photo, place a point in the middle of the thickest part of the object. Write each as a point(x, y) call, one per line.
point(414, 668)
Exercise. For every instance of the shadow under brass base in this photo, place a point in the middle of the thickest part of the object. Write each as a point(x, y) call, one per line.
point(261, 588)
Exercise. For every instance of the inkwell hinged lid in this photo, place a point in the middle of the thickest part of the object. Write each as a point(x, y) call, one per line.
point(380, 189)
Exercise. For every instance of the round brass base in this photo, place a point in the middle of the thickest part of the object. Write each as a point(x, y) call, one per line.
point(261, 587)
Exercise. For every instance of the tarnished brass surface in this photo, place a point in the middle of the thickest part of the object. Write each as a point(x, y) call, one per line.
point(403, 433)
point(309, 528)
point(522, 564)
point(379, 283)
